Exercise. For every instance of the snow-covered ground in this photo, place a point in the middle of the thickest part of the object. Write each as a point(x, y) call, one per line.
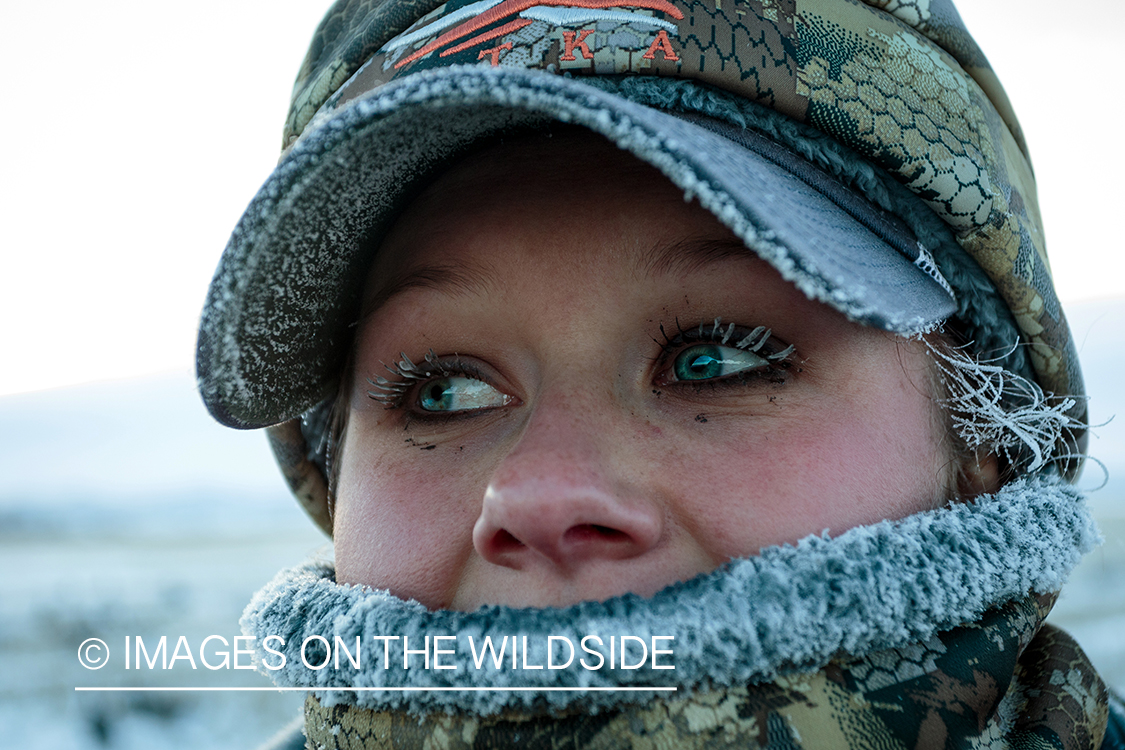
point(70, 588)
point(124, 511)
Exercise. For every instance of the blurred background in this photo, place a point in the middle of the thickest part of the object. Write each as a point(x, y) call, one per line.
point(137, 133)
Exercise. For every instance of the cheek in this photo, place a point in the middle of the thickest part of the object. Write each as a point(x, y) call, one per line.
point(403, 521)
point(883, 452)
point(742, 485)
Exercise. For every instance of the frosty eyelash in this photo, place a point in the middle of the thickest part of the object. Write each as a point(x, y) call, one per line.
point(752, 342)
point(390, 393)
point(410, 388)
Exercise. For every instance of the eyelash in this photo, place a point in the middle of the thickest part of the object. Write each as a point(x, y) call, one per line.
point(758, 340)
point(392, 394)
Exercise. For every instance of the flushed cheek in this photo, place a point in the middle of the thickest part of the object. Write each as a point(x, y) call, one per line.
point(754, 486)
point(405, 525)
point(862, 472)
point(739, 493)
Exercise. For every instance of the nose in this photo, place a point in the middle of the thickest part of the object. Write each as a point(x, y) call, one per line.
point(557, 498)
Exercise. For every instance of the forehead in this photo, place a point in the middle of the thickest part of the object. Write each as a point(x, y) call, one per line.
point(515, 202)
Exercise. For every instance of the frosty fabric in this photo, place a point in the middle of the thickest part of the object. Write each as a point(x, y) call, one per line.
point(792, 607)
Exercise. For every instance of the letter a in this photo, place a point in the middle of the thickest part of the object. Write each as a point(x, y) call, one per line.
point(662, 43)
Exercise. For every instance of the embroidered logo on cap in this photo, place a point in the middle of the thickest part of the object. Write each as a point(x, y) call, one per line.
point(630, 26)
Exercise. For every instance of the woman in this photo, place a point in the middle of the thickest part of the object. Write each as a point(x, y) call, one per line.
point(786, 438)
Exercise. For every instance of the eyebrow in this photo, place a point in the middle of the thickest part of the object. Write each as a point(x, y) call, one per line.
point(691, 254)
point(448, 278)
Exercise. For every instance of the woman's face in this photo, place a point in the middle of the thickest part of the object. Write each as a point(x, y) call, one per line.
point(577, 425)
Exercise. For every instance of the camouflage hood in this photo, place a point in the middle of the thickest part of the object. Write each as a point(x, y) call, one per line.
point(874, 638)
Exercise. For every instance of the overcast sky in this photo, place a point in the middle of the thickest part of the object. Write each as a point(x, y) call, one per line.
point(137, 132)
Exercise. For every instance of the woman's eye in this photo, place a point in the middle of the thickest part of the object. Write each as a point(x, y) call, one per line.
point(710, 361)
point(453, 393)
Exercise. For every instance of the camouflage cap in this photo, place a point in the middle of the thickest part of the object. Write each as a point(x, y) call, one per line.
point(899, 82)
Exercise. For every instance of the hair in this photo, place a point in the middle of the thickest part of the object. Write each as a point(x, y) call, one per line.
point(336, 429)
point(994, 411)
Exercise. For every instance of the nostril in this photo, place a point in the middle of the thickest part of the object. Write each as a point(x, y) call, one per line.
point(589, 532)
point(503, 541)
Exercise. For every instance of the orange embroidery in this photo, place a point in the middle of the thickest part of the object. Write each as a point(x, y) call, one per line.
point(511, 7)
point(495, 52)
point(507, 28)
point(570, 44)
point(664, 44)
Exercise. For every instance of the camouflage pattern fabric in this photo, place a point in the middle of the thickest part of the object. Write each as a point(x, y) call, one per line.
point(1005, 681)
point(899, 81)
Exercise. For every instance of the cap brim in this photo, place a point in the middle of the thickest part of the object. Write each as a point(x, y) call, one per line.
point(276, 321)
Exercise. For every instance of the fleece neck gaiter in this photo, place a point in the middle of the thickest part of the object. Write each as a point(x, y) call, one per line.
point(922, 632)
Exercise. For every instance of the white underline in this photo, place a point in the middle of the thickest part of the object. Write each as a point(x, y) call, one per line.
point(368, 689)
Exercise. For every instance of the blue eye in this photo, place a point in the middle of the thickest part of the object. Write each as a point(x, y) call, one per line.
point(453, 393)
point(710, 361)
